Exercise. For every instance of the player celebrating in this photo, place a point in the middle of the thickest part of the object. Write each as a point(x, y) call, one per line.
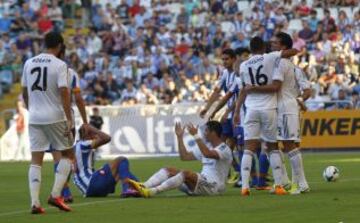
point(102, 182)
point(215, 156)
point(226, 80)
point(45, 82)
point(293, 82)
point(260, 117)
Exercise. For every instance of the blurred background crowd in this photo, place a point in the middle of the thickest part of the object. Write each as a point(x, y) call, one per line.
point(130, 52)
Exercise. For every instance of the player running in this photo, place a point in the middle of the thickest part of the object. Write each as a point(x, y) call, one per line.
point(101, 182)
point(226, 80)
point(260, 118)
point(45, 82)
point(293, 82)
point(216, 160)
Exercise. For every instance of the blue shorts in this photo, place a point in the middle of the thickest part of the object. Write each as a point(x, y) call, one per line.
point(101, 183)
point(227, 128)
point(239, 135)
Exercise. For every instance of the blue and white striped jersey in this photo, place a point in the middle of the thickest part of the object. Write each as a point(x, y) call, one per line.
point(84, 165)
point(225, 82)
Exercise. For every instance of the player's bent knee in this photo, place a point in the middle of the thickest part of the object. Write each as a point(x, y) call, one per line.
point(171, 170)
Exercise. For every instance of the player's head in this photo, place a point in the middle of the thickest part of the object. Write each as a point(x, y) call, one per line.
point(257, 45)
point(228, 57)
point(54, 42)
point(242, 53)
point(213, 130)
point(281, 41)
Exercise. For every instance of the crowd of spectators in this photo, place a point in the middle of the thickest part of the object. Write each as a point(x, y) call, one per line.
point(169, 51)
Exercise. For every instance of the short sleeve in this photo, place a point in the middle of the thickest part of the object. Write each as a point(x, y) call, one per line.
point(280, 70)
point(224, 152)
point(86, 145)
point(301, 79)
point(24, 77)
point(63, 76)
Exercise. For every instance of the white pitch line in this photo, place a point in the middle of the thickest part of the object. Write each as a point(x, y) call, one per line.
point(123, 200)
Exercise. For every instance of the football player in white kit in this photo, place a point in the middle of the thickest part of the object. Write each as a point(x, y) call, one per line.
point(289, 103)
point(216, 158)
point(261, 117)
point(46, 94)
point(76, 100)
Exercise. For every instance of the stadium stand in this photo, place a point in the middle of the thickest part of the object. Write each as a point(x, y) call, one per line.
point(155, 52)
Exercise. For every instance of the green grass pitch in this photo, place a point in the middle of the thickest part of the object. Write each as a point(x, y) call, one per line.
point(327, 202)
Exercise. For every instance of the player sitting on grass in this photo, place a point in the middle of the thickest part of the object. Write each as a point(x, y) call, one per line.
point(101, 182)
point(216, 160)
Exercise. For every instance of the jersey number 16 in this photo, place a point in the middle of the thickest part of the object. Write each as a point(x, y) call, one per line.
point(41, 74)
point(259, 78)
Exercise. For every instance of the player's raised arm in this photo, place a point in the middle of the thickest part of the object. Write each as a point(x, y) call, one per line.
point(206, 152)
point(184, 154)
point(98, 137)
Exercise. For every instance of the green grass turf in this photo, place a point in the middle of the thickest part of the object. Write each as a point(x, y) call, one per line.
point(327, 202)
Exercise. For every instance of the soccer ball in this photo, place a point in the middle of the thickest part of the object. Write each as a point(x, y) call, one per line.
point(331, 173)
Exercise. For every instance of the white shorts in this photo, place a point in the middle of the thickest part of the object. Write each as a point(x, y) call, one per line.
point(289, 127)
point(261, 124)
point(42, 136)
point(203, 187)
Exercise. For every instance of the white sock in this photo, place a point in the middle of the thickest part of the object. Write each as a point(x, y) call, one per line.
point(169, 184)
point(157, 178)
point(275, 163)
point(297, 167)
point(285, 178)
point(246, 168)
point(34, 184)
point(61, 175)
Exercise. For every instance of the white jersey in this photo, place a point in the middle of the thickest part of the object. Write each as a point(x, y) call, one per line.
point(43, 75)
point(291, 77)
point(84, 166)
point(225, 82)
point(216, 170)
point(259, 70)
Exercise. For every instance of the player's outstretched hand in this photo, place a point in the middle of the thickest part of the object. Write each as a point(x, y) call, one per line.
point(193, 130)
point(179, 130)
point(203, 113)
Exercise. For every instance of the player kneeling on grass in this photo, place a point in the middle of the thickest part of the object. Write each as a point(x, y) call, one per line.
point(101, 182)
point(216, 160)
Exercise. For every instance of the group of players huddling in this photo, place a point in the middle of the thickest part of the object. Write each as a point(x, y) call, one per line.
point(264, 94)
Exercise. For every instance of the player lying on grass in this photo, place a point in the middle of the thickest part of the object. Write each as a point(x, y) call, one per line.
point(101, 182)
point(216, 160)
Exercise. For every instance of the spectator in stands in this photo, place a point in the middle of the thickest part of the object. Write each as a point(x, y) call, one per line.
point(302, 9)
point(342, 101)
point(328, 22)
point(306, 33)
point(355, 100)
point(56, 15)
point(95, 119)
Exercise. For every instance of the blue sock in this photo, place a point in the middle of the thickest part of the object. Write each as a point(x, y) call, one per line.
point(263, 169)
point(240, 155)
point(124, 172)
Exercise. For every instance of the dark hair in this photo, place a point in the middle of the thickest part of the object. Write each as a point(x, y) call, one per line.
point(53, 40)
point(257, 44)
point(229, 52)
point(285, 39)
point(62, 52)
point(214, 126)
point(241, 50)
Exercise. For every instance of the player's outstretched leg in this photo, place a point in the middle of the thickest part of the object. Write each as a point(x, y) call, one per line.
point(123, 173)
